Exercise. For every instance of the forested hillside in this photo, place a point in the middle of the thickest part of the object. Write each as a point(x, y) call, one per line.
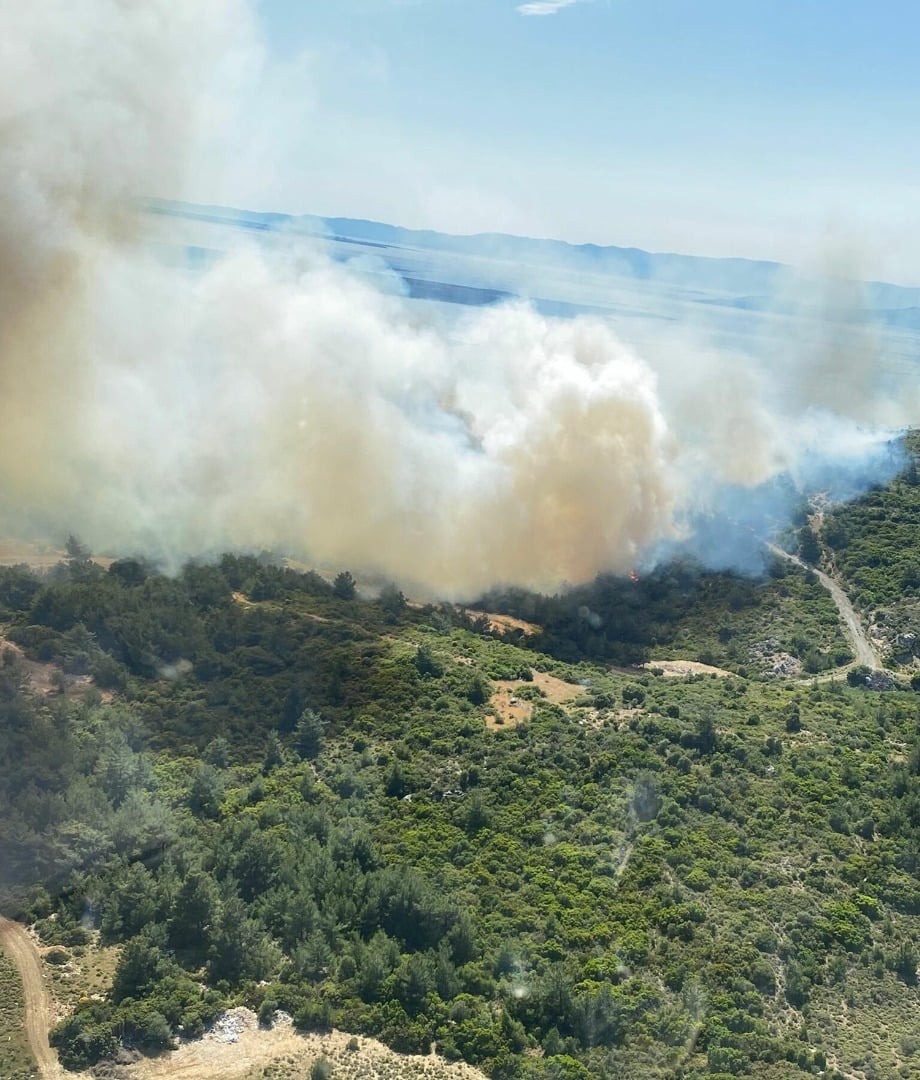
point(268, 791)
point(872, 544)
point(746, 624)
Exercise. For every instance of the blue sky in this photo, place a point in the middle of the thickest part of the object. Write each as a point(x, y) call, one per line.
point(776, 129)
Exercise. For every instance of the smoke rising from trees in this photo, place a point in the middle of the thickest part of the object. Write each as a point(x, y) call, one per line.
point(280, 401)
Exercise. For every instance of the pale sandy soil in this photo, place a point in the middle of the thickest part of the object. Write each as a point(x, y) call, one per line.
point(282, 1053)
point(678, 668)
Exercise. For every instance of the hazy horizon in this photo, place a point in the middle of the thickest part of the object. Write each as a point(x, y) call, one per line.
point(781, 132)
point(311, 397)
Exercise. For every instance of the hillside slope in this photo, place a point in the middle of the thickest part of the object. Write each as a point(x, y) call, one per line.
point(374, 815)
point(871, 546)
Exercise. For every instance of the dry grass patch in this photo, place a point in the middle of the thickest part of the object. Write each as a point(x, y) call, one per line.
point(509, 708)
point(558, 691)
point(86, 972)
point(501, 624)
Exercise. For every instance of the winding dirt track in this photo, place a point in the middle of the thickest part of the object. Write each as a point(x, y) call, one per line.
point(206, 1059)
point(862, 646)
point(19, 947)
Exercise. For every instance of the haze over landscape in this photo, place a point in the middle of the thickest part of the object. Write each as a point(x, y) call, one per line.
point(288, 395)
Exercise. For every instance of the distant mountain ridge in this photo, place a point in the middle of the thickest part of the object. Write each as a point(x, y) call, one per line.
point(751, 282)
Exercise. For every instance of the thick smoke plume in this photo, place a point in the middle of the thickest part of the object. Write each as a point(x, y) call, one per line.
point(281, 402)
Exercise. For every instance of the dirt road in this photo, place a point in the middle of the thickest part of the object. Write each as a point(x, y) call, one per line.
point(20, 948)
point(252, 1051)
point(862, 646)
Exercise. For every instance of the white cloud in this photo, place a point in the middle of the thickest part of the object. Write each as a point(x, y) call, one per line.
point(544, 7)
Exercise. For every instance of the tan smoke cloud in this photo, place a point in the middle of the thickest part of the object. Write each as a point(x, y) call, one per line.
point(300, 410)
point(282, 402)
point(96, 103)
point(288, 406)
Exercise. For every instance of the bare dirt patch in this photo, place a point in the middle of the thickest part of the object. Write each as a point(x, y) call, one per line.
point(674, 669)
point(45, 679)
point(501, 624)
point(244, 1051)
point(510, 709)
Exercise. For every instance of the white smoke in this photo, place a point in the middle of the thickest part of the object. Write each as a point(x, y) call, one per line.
point(278, 401)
